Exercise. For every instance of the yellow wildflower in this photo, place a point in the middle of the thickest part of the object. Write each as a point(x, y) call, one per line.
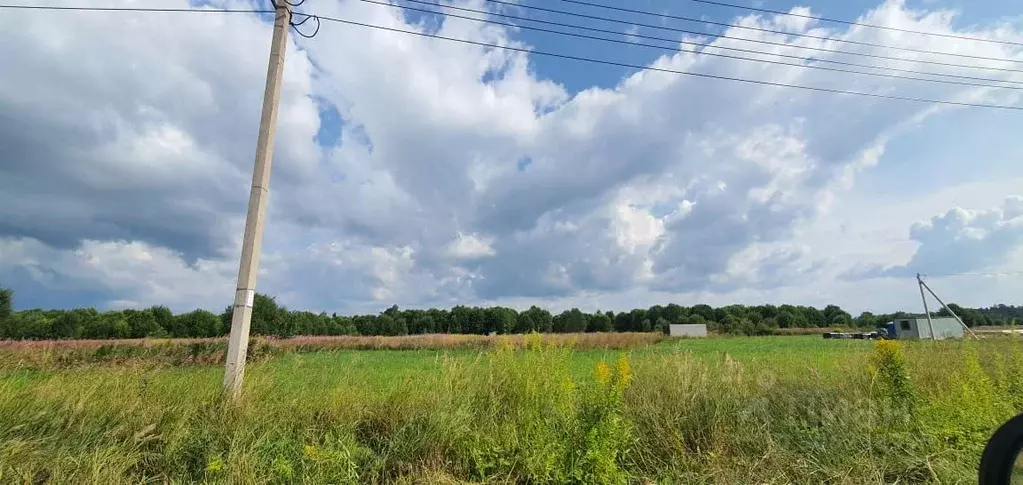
point(624, 372)
point(603, 373)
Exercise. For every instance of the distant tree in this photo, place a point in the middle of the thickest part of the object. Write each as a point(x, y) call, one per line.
point(322, 325)
point(269, 318)
point(305, 323)
point(107, 325)
point(674, 313)
point(340, 325)
point(142, 323)
point(694, 319)
point(198, 323)
point(599, 322)
point(71, 324)
point(477, 321)
point(524, 323)
point(543, 318)
point(499, 319)
point(460, 320)
point(721, 317)
point(730, 323)
point(163, 317)
point(227, 316)
point(283, 324)
point(413, 318)
point(440, 320)
point(866, 320)
point(559, 322)
point(426, 324)
point(836, 316)
point(623, 322)
point(972, 317)
point(570, 321)
point(265, 312)
point(791, 319)
point(841, 320)
point(654, 313)
point(534, 319)
point(391, 326)
point(814, 317)
point(640, 322)
point(6, 305)
point(366, 324)
point(767, 311)
point(29, 325)
point(391, 322)
point(704, 311)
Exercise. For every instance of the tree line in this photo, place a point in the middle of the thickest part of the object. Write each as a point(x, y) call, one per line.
point(271, 319)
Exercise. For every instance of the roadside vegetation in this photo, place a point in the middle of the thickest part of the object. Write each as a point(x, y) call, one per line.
point(529, 410)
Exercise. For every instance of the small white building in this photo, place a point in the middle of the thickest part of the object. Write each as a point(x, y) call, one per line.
point(918, 328)
point(687, 330)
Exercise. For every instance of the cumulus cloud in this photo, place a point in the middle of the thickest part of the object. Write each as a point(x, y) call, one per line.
point(131, 273)
point(458, 174)
point(961, 240)
point(138, 127)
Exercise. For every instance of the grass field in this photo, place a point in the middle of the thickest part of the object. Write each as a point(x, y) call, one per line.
point(720, 410)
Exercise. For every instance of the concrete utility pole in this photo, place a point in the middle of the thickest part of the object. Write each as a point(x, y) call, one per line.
point(930, 326)
point(248, 269)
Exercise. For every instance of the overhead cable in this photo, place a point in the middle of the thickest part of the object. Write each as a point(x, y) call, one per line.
point(788, 33)
point(744, 39)
point(134, 9)
point(980, 273)
point(295, 25)
point(672, 71)
point(318, 18)
point(676, 49)
point(860, 24)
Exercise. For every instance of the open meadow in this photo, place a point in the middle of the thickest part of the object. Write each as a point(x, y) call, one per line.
point(796, 409)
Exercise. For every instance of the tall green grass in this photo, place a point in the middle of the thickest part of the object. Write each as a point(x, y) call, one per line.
point(688, 412)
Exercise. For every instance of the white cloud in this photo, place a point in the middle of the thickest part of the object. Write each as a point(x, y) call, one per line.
point(963, 240)
point(470, 246)
point(142, 274)
point(132, 136)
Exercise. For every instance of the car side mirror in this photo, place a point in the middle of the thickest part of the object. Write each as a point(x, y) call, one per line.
point(1002, 461)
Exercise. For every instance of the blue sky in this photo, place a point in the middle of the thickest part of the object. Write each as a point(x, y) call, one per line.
point(423, 173)
point(577, 76)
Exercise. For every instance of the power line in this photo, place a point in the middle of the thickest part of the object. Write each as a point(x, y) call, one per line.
point(795, 34)
point(136, 9)
point(860, 24)
point(672, 71)
point(593, 17)
point(698, 44)
point(743, 39)
point(291, 21)
point(675, 49)
point(294, 25)
point(997, 273)
point(528, 51)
